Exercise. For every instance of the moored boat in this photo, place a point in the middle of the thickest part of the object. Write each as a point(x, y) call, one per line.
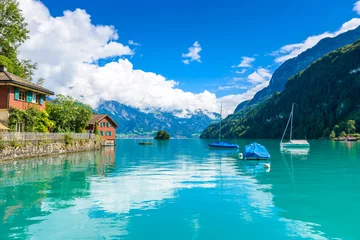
point(255, 151)
point(292, 143)
point(223, 145)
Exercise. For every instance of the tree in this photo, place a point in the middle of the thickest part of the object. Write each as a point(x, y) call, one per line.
point(68, 114)
point(163, 135)
point(96, 131)
point(40, 81)
point(350, 126)
point(337, 130)
point(33, 119)
point(13, 33)
point(332, 135)
point(343, 134)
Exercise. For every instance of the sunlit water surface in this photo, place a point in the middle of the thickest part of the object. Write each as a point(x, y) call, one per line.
point(181, 189)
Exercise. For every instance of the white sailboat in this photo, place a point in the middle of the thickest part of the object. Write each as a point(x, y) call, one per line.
point(293, 143)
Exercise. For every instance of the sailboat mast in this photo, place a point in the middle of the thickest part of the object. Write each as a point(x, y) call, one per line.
point(220, 122)
point(292, 117)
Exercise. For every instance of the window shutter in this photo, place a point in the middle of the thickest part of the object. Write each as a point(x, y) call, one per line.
point(41, 99)
point(110, 133)
point(29, 96)
point(16, 93)
point(108, 124)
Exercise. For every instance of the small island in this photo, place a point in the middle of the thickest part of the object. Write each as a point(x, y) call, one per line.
point(162, 135)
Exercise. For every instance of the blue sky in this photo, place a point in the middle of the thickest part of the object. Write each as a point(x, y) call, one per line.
point(225, 30)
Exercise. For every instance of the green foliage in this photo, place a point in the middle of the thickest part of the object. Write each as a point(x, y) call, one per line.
point(13, 33)
point(68, 139)
point(33, 119)
point(332, 134)
point(343, 134)
point(337, 130)
point(68, 114)
point(96, 131)
point(15, 144)
point(326, 96)
point(350, 126)
point(2, 146)
point(40, 81)
point(163, 135)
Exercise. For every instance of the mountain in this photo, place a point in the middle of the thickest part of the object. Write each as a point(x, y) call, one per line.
point(299, 63)
point(134, 122)
point(326, 94)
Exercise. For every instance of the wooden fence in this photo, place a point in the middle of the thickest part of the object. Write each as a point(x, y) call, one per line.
point(29, 136)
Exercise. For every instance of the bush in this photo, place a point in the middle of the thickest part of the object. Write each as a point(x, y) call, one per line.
point(68, 139)
point(332, 135)
point(2, 146)
point(15, 144)
point(163, 135)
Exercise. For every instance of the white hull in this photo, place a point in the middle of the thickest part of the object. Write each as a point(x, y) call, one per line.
point(294, 145)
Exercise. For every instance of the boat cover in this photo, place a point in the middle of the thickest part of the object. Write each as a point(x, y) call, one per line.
point(255, 151)
point(223, 145)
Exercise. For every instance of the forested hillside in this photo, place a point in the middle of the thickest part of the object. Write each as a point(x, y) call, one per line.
point(326, 94)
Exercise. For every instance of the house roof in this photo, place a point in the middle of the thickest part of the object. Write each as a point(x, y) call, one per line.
point(6, 77)
point(98, 117)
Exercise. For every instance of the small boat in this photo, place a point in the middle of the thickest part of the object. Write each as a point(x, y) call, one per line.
point(223, 145)
point(145, 143)
point(255, 151)
point(351, 139)
point(292, 143)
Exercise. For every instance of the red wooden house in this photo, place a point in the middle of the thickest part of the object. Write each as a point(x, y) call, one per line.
point(16, 92)
point(106, 127)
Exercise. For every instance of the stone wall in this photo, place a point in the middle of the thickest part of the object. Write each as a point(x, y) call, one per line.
point(39, 148)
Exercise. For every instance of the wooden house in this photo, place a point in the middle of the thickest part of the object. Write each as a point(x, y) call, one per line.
point(106, 127)
point(16, 92)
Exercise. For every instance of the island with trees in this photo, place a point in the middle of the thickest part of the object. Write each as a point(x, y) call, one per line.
point(162, 135)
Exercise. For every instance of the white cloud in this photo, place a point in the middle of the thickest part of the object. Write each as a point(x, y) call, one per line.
point(186, 61)
point(357, 7)
point(231, 101)
point(193, 53)
point(241, 72)
point(259, 76)
point(66, 47)
point(293, 50)
point(246, 62)
point(131, 42)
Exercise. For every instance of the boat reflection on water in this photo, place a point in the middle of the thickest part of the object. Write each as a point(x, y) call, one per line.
point(295, 151)
point(255, 167)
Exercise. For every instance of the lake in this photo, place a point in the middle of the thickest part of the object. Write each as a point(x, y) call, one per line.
point(181, 189)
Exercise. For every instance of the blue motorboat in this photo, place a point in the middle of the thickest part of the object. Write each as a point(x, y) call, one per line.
point(255, 151)
point(224, 145)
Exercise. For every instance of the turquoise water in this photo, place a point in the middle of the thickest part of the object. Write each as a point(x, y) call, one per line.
point(180, 189)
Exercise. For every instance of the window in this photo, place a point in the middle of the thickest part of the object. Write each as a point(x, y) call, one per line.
point(22, 95)
point(102, 133)
point(108, 124)
point(35, 98)
point(110, 133)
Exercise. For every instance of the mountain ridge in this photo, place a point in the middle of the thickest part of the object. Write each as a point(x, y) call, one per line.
point(294, 65)
point(326, 94)
point(135, 122)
